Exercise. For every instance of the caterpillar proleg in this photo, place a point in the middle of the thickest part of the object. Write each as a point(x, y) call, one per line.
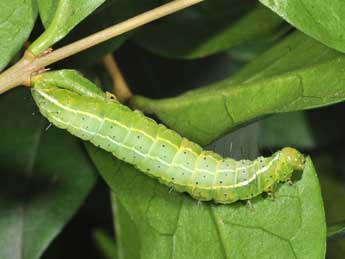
point(71, 102)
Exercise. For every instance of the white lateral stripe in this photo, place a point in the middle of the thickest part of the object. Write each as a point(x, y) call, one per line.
point(244, 183)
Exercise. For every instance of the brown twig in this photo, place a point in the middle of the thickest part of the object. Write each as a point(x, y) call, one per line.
point(120, 87)
point(20, 73)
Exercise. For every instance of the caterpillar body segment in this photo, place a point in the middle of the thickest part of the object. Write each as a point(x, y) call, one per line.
point(159, 152)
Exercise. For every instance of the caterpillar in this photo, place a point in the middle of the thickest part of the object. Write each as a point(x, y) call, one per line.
point(71, 102)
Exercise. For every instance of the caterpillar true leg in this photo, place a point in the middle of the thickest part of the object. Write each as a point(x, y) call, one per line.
point(250, 205)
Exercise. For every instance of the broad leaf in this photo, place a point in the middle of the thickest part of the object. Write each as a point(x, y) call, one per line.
point(60, 17)
point(166, 224)
point(296, 74)
point(17, 18)
point(45, 176)
point(211, 27)
point(322, 19)
point(47, 9)
point(106, 244)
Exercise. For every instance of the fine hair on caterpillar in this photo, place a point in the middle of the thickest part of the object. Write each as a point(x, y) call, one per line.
point(71, 102)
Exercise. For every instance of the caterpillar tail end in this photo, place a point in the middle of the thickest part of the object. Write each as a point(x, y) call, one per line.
point(294, 158)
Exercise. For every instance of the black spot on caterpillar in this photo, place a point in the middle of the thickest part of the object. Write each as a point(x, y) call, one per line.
point(88, 113)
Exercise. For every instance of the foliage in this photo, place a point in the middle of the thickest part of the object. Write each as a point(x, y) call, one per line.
point(249, 77)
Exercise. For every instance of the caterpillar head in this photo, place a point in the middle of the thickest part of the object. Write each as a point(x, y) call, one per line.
point(290, 160)
point(293, 158)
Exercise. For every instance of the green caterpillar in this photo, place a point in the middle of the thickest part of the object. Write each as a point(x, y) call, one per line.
point(71, 102)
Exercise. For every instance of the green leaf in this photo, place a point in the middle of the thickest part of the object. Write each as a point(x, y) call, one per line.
point(47, 9)
point(17, 18)
point(336, 231)
point(45, 176)
point(166, 224)
point(127, 237)
point(105, 244)
point(247, 52)
point(296, 74)
point(323, 20)
point(211, 27)
point(60, 18)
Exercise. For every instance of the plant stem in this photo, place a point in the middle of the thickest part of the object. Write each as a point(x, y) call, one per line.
point(116, 30)
point(20, 73)
point(120, 87)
